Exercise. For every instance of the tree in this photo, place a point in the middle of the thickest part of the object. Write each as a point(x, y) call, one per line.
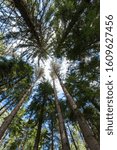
point(83, 82)
point(9, 118)
point(76, 147)
point(63, 134)
point(78, 33)
point(38, 110)
point(15, 132)
point(35, 31)
point(88, 134)
point(12, 71)
point(15, 77)
point(32, 30)
point(44, 97)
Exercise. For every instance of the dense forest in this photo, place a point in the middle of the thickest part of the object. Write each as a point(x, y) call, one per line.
point(49, 75)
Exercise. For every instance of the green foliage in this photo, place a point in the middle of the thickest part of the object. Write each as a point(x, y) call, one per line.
point(38, 29)
point(13, 70)
point(81, 33)
point(83, 83)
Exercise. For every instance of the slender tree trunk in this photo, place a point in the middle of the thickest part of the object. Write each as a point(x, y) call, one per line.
point(81, 135)
point(3, 107)
point(76, 147)
point(87, 132)
point(9, 118)
point(1, 113)
point(9, 103)
point(63, 134)
point(6, 97)
point(40, 121)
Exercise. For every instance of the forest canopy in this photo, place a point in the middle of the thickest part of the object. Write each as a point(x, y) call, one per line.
point(56, 108)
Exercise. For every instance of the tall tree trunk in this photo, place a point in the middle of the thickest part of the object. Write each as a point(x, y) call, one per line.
point(40, 121)
point(37, 139)
point(87, 132)
point(76, 147)
point(23, 9)
point(63, 134)
point(9, 118)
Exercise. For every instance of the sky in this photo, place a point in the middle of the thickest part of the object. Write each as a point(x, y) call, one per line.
point(64, 66)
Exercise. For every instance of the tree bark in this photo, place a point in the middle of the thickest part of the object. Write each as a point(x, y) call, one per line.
point(9, 118)
point(40, 121)
point(22, 7)
point(63, 134)
point(37, 139)
point(76, 147)
point(87, 132)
